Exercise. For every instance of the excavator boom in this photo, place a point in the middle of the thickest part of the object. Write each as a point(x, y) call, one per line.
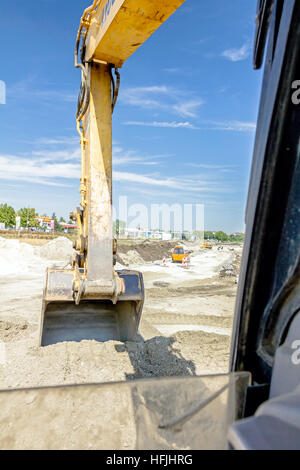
point(90, 300)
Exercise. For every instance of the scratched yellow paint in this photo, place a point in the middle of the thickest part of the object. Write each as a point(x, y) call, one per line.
point(120, 27)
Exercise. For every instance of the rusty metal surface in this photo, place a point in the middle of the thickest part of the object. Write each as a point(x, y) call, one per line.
point(59, 284)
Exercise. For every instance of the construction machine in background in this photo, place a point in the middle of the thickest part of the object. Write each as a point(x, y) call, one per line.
point(179, 252)
point(91, 300)
point(205, 245)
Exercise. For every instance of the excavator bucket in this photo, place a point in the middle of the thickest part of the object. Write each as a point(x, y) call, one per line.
point(93, 319)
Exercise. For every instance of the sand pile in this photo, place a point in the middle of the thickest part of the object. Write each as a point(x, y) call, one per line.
point(17, 258)
point(9, 331)
point(86, 362)
point(59, 249)
point(21, 258)
point(227, 270)
point(158, 357)
point(231, 269)
point(131, 257)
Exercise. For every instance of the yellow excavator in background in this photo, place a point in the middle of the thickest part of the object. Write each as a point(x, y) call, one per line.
point(91, 300)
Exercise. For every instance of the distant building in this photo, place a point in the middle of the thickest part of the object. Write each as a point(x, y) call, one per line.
point(136, 233)
point(68, 227)
point(140, 233)
point(45, 222)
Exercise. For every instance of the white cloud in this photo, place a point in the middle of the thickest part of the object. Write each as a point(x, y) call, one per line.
point(57, 149)
point(172, 70)
point(178, 183)
point(40, 171)
point(235, 126)
point(235, 55)
point(58, 141)
point(29, 88)
point(170, 99)
point(144, 96)
point(61, 166)
point(127, 157)
point(52, 163)
point(188, 108)
point(54, 96)
point(59, 160)
point(173, 125)
point(210, 167)
point(55, 155)
point(36, 170)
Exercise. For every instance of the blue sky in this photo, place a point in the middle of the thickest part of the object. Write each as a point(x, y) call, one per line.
point(184, 125)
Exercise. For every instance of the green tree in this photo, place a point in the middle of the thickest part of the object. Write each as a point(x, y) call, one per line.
point(7, 215)
point(209, 235)
point(28, 217)
point(237, 238)
point(57, 226)
point(222, 236)
point(62, 220)
point(118, 227)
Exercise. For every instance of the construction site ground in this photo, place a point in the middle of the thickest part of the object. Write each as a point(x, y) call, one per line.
point(185, 328)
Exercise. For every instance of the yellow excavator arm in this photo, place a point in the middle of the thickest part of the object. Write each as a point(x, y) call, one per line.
point(91, 300)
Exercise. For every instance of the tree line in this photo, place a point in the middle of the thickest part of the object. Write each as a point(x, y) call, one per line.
point(222, 236)
point(28, 218)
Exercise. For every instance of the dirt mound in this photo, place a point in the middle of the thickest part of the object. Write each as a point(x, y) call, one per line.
point(209, 351)
point(146, 250)
point(158, 357)
point(161, 284)
point(131, 257)
point(229, 270)
point(91, 362)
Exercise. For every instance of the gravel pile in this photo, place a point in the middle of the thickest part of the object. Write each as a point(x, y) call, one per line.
point(131, 257)
point(227, 270)
point(58, 249)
